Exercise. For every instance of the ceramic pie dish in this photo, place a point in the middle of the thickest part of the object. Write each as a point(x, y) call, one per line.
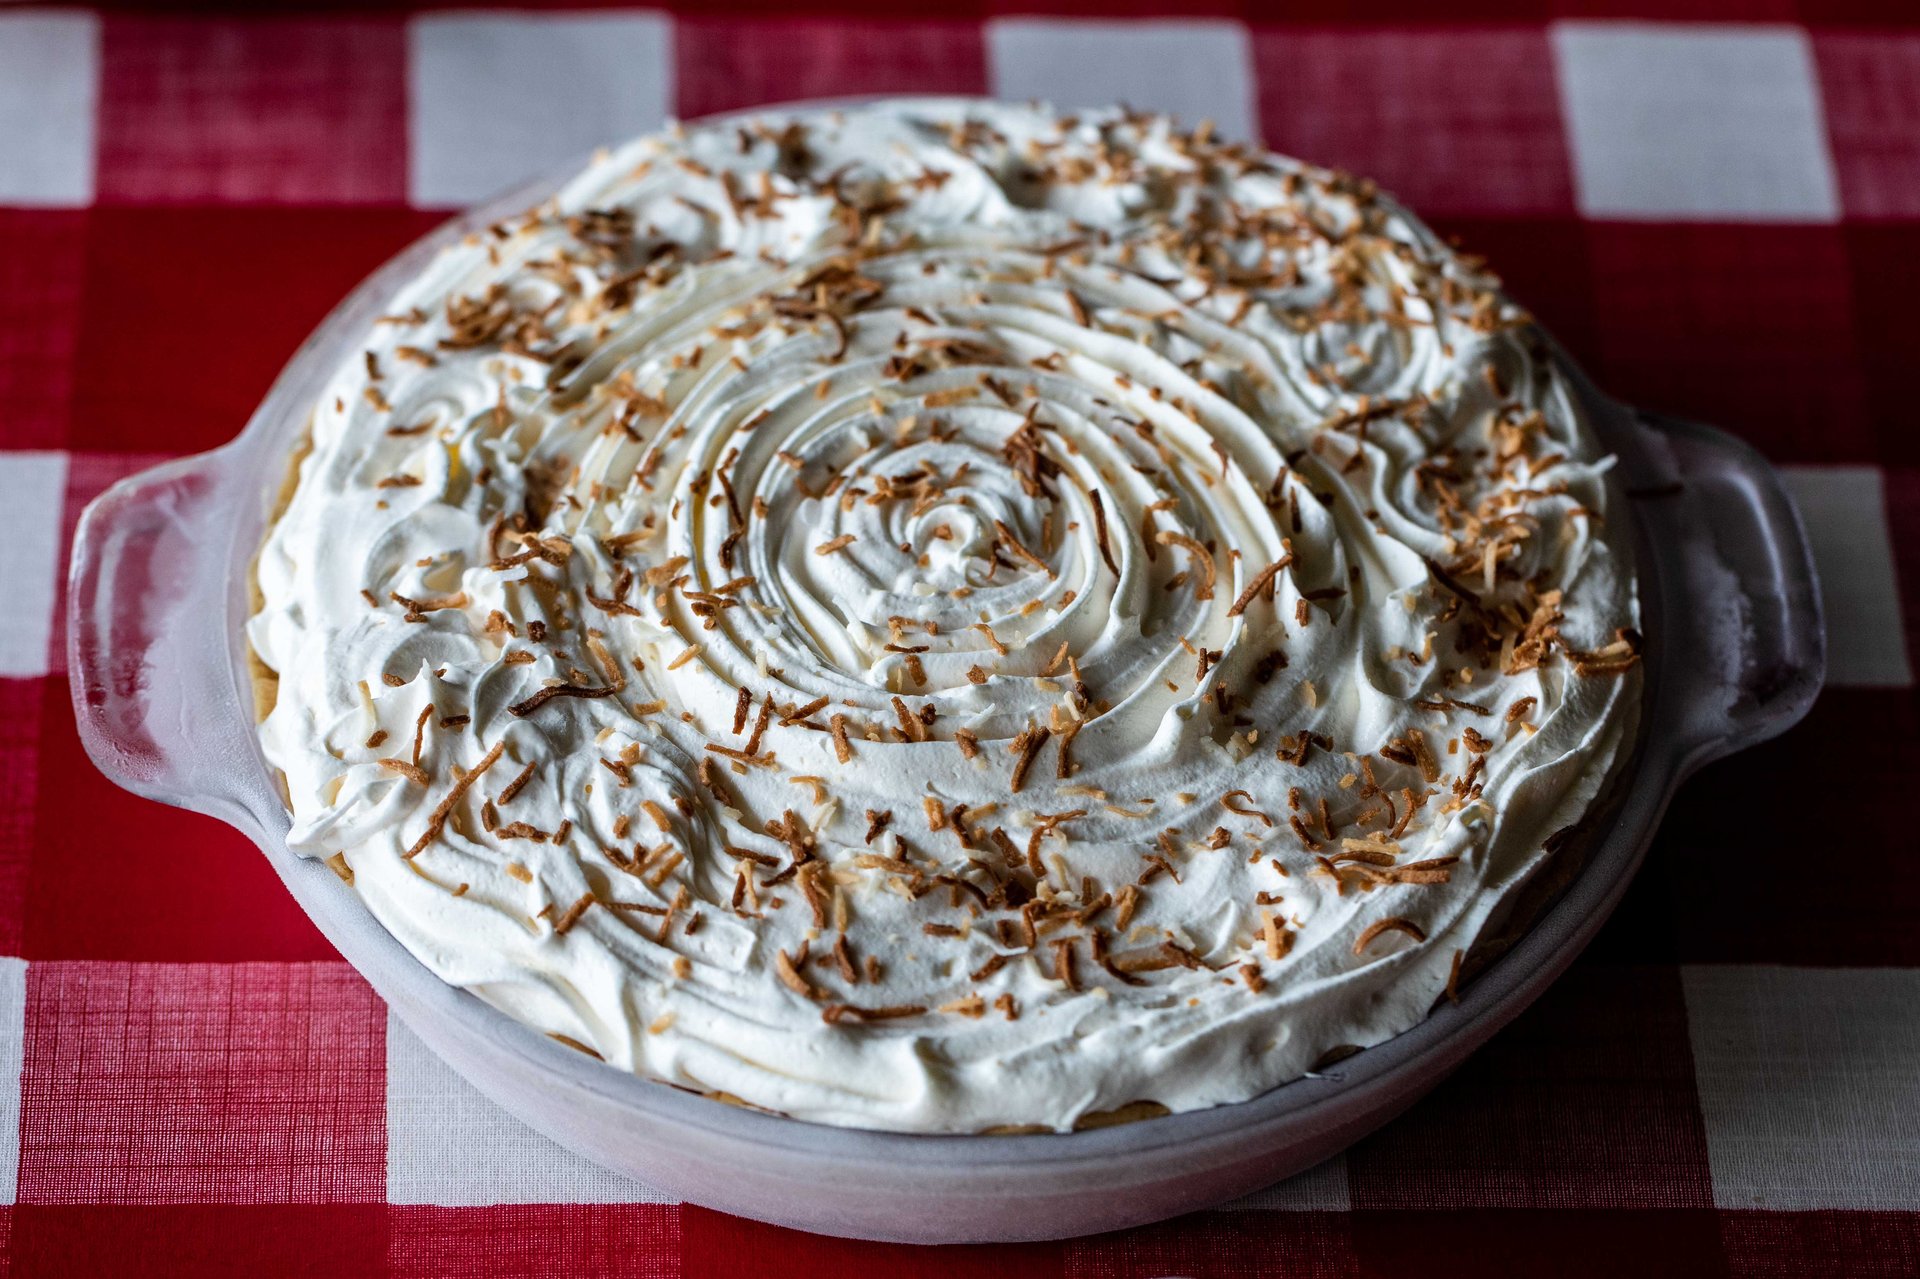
point(161, 583)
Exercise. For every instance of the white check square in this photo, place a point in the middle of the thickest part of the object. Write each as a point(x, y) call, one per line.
point(49, 88)
point(448, 1145)
point(1845, 510)
point(1807, 1082)
point(1675, 122)
point(497, 99)
point(33, 499)
point(1200, 70)
point(13, 1034)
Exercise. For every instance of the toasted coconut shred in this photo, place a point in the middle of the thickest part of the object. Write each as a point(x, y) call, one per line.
point(1010, 617)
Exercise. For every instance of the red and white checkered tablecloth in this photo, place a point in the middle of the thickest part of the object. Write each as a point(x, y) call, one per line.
point(1715, 203)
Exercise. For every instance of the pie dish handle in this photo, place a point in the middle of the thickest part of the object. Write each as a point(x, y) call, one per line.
point(1740, 593)
point(148, 648)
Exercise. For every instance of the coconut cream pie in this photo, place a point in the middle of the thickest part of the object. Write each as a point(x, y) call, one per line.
point(946, 616)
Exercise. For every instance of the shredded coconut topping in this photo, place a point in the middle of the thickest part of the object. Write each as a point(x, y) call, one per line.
point(1010, 615)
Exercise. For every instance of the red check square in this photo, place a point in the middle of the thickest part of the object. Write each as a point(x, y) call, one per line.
point(1743, 11)
point(20, 710)
point(191, 313)
point(1567, 1244)
point(279, 110)
point(1542, 263)
point(115, 876)
point(1884, 262)
point(1454, 121)
point(41, 271)
point(1821, 1245)
point(725, 64)
point(1222, 1245)
point(619, 1241)
point(202, 1083)
point(1870, 86)
point(231, 1241)
point(1746, 327)
point(1725, 859)
point(1586, 1101)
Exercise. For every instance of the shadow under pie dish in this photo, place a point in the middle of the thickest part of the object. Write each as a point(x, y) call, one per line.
point(946, 618)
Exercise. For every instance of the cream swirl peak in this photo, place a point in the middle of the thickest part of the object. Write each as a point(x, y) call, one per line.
point(947, 615)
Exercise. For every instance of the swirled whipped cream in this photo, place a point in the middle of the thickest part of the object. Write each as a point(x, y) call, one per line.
point(944, 615)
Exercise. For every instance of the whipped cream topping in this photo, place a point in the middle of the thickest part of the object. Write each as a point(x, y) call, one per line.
point(948, 615)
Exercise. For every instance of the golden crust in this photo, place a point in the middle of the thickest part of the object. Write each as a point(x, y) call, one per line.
point(266, 680)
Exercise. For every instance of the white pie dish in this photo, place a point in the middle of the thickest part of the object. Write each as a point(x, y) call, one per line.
point(160, 579)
